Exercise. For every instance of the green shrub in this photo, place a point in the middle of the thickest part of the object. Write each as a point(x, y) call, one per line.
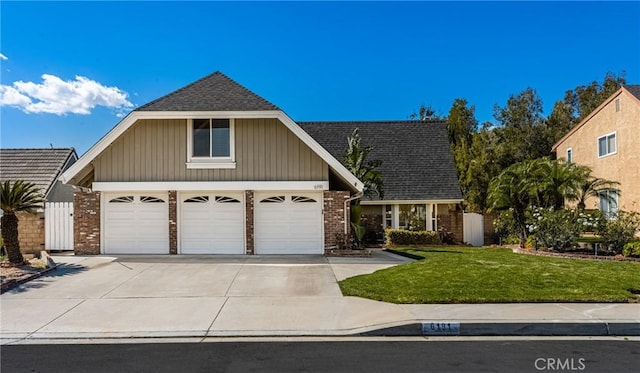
point(405, 237)
point(618, 231)
point(632, 248)
point(560, 229)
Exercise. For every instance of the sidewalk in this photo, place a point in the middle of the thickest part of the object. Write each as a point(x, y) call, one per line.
point(60, 308)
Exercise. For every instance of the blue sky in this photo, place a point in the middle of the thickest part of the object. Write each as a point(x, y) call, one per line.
point(315, 60)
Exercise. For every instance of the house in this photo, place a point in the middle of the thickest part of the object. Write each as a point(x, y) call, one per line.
point(43, 167)
point(607, 141)
point(211, 168)
point(421, 189)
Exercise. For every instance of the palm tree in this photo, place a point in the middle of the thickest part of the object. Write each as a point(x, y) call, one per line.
point(355, 160)
point(16, 197)
point(557, 181)
point(593, 187)
point(513, 189)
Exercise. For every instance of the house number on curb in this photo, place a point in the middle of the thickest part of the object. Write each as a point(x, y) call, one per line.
point(440, 328)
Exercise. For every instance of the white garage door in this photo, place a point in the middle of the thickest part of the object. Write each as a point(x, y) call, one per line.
point(288, 223)
point(136, 223)
point(211, 223)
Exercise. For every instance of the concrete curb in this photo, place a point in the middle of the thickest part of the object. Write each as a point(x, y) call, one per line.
point(478, 329)
point(414, 329)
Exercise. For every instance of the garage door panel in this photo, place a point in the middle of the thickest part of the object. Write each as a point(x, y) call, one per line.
point(212, 223)
point(288, 223)
point(136, 223)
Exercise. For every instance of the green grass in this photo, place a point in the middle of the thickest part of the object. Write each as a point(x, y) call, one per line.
point(472, 275)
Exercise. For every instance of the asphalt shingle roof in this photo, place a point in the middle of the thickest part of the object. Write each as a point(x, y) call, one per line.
point(417, 163)
point(39, 166)
point(634, 89)
point(215, 92)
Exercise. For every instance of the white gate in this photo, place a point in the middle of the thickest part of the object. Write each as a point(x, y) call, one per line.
point(58, 226)
point(473, 229)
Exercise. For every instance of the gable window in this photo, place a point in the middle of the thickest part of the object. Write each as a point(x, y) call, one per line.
point(210, 143)
point(569, 155)
point(607, 145)
point(609, 202)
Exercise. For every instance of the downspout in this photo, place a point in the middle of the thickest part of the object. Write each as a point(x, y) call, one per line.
point(347, 219)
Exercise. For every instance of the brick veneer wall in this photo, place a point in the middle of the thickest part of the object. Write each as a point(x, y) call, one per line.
point(334, 215)
point(250, 235)
point(31, 232)
point(86, 222)
point(453, 222)
point(173, 222)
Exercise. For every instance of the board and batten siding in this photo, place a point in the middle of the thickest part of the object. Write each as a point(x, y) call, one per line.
point(156, 150)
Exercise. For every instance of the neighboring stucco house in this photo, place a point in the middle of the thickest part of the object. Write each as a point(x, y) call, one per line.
point(42, 167)
point(211, 168)
point(421, 189)
point(608, 141)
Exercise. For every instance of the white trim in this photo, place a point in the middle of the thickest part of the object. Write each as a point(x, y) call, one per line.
point(134, 116)
point(211, 186)
point(412, 202)
point(605, 136)
point(210, 165)
point(211, 162)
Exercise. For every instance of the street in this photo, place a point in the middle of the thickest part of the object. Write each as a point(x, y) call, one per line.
point(367, 355)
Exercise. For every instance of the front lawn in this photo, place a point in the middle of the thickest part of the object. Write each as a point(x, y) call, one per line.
point(488, 275)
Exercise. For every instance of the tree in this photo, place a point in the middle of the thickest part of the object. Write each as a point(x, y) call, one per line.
point(539, 183)
point(461, 122)
point(580, 102)
point(522, 132)
point(556, 181)
point(357, 162)
point(592, 187)
point(425, 113)
point(512, 191)
point(15, 197)
point(462, 127)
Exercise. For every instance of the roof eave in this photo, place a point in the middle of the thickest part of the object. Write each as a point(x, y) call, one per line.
point(591, 115)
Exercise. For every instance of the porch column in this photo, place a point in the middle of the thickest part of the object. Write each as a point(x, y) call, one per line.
point(395, 215)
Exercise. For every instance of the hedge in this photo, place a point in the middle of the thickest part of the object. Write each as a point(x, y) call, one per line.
point(632, 248)
point(404, 237)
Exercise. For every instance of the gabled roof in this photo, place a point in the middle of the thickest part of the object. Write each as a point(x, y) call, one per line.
point(39, 166)
point(215, 92)
point(214, 96)
point(634, 89)
point(417, 163)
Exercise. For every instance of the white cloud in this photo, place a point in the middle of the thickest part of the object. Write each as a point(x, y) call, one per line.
point(3, 57)
point(55, 96)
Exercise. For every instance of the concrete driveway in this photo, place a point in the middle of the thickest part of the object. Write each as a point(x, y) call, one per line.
point(130, 296)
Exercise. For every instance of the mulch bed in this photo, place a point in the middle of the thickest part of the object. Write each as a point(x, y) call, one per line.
point(12, 275)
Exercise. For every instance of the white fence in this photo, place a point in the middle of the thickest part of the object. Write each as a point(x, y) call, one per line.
point(473, 229)
point(58, 226)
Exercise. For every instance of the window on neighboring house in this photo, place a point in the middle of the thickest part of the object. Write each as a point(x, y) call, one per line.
point(569, 155)
point(210, 143)
point(607, 145)
point(609, 202)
